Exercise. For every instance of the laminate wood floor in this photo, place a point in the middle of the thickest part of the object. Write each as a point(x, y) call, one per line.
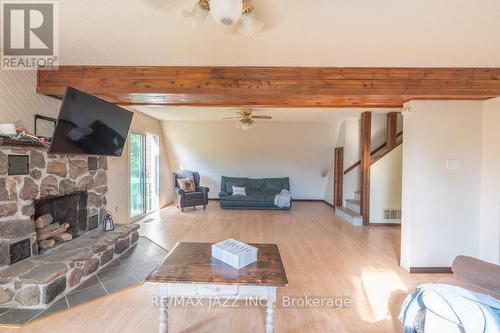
point(324, 257)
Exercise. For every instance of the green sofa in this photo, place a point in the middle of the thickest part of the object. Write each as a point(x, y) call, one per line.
point(260, 192)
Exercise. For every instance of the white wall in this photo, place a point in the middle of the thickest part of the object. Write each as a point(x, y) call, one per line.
point(440, 207)
point(301, 151)
point(379, 130)
point(118, 195)
point(19, 102)
point(352, 155)
point(385, 186)
point(489, 230)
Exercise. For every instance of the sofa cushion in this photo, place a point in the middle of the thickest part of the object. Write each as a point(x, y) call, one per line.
point(270, 195)
point(464, 284)
point(183, 174)
point(186, 184)
point(239, 191)
point(237, 182)
point(250, 201)
point(275, 184)
point(477, 273)
point(194, 196)
point(256, 184)
point(256, 197)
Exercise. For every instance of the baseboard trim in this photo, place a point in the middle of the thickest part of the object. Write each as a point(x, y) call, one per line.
point(294, 200)
point(397, 225)
point(329, 204)
point(430, 270)
point(308, 200)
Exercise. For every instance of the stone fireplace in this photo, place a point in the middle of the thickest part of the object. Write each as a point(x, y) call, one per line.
point(33, 183)
point(50, 209)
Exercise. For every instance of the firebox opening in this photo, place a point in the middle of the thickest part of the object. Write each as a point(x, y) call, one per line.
point(71, 209)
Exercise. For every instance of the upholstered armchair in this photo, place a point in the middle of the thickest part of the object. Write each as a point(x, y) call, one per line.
point(190, 199)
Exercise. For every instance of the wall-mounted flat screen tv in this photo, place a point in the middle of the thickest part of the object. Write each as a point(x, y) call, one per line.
point(89, 125)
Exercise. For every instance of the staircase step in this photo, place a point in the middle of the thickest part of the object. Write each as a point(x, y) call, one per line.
point(349, 215)
point(353, 201)
point(354, 205)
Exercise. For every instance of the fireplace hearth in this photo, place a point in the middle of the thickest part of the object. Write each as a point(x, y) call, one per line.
point(40, 282)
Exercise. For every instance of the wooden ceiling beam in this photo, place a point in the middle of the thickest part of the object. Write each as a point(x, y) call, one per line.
point(272, 86)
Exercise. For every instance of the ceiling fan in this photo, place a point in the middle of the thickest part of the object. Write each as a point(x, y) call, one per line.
point(246, 119)
point(225, 12)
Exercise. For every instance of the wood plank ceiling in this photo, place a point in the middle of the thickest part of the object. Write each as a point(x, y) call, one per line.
point(272, 86)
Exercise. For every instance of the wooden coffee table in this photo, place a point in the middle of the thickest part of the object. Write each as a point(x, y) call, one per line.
point(190, 271)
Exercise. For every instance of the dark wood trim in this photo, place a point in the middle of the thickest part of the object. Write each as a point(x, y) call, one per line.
point(307, 200)
point(366, 140)
point(338, 179)
point(312, 200)
point(370, 87)
point(387, 151)
point(392, 130)
point(376, 150)
point(352, 167)
point(431, 270)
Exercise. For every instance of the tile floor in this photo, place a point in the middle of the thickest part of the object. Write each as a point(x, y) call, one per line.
point(129, 270)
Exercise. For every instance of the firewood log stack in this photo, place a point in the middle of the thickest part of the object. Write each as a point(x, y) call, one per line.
point(49, 233)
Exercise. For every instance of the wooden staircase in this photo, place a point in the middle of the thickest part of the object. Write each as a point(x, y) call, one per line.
point(351, 209)
point(351, 212)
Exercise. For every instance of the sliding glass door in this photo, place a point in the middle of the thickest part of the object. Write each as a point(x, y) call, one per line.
point(137, 167)
point(152, 172)
point(144, 160)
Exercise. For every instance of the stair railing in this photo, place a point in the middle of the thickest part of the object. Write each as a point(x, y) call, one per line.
point(375, 151)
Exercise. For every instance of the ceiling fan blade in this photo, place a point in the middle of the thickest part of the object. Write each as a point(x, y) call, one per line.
point(262, 117)
point(227, 118)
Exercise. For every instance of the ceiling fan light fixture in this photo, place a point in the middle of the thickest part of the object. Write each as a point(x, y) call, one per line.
point(226, 12)
point(245, 119)
point(245, 125)
point(249, 24)
point(198, 15)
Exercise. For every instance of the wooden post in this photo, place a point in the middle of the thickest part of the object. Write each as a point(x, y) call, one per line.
point(338, 177)
point(366, 139)
point(392, 128)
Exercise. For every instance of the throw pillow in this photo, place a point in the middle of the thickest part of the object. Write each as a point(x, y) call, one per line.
point(236, 183)
point(239, 190)
point(186, 184)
